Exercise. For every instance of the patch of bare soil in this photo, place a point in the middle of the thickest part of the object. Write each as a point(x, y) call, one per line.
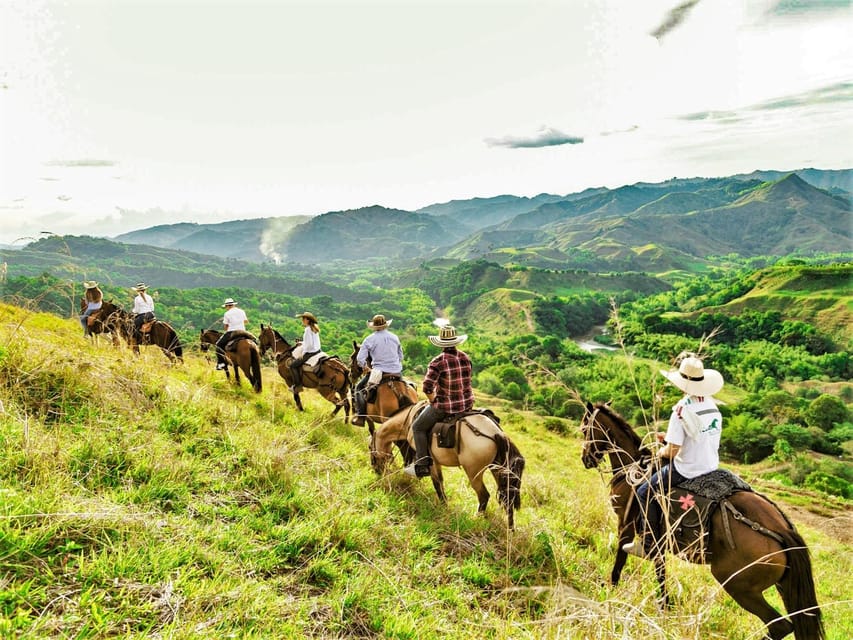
point(838, 524)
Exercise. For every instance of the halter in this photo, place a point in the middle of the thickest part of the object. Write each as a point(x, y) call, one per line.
point(634, 473)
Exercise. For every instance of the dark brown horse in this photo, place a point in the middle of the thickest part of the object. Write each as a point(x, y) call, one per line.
point(480, 446)
point(108, 319)
point(392, 394)
point(331, 379)
point(159, 334)
point(245, 356)
point(767, 549)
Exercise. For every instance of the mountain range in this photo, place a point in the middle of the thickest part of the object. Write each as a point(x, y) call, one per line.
point(639, 227)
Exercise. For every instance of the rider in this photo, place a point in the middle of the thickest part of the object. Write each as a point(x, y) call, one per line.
point(386, 357)
point(94, 299)
point(447, 384)
point(692, 444)
point(310, 347)
point(234, 319)
point(143, 309)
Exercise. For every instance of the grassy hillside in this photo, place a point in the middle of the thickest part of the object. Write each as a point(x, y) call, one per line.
point(146, 501)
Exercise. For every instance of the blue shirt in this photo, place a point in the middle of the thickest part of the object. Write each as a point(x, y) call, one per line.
point(385, 351)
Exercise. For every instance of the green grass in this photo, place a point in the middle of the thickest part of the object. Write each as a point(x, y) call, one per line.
point(140, 500)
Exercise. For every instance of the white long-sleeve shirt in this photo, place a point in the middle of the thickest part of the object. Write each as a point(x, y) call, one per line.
point(143, 303)
point(310, 341)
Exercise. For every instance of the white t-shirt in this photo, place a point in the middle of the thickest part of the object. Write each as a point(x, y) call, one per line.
point(699, 454)
point(235, 319)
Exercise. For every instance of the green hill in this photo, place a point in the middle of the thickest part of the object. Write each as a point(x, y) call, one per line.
point(144, 501)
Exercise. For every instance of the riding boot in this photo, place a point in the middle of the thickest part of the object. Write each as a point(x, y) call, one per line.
point(297, 378)
point(421, 466)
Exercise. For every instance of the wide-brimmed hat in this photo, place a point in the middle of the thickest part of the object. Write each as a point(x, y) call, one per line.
point(229, 302)
point(90, 284)
point(379, 322)
point(447, 337)
point(306, 314)
point(693, 378)
point(140, 287)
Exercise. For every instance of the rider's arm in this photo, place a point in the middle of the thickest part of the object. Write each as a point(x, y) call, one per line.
point(669, 451)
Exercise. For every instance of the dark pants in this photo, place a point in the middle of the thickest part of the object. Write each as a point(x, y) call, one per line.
point(649, 519)
point(360, 397)
point(421, 428)
point(138, 320)
point(224, 339)
point(296, 367)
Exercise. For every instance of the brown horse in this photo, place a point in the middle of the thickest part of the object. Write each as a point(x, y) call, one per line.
point(331, 379)
point(392, 394)
point(107, 319)
point(245, 356)
point(767, 549)
point(159, 334)
point(480, 445)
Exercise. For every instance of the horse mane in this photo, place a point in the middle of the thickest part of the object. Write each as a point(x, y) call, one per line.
point(621, 423)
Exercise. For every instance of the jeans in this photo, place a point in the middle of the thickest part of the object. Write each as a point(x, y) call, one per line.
point(650, 509)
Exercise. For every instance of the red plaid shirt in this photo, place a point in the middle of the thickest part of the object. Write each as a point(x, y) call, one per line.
point(449, 377)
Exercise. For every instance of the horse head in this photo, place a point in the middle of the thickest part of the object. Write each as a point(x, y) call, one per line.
point(208, 337)
point(378, 458)
point(606, 432)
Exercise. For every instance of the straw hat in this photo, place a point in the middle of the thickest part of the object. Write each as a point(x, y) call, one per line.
point(693, 378)
point(140, 287)
point(90, 284)
point(447, 337)
point(306, 314)
point(379, 322)
point(229, 302)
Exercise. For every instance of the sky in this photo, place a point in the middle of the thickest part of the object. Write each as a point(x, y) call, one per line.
point(123, 114)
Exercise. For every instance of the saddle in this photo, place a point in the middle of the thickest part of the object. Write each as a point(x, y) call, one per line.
point(236, 337)
point(93, 318)
point(324, 358)
point(145, 327)
point(447, 430)
point(389, 379)
point(691, 505)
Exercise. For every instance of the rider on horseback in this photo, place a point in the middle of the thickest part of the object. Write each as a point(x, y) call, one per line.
point(94, 299)
point(234, 319)
point(385, 353)
point(310, 347)
point(447, 384)
point(693, 441)
point(143, 310)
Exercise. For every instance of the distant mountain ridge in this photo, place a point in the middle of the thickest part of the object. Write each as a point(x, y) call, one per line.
point(644, 226)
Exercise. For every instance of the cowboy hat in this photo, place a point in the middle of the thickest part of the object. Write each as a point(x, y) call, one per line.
point(306, 314)
point(447, 337)
point(229, 302)
point(90, 284)
point(140, 287)
point(693, 378)
point(379, 322)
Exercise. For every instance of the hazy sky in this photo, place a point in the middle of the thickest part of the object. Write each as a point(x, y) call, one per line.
point(117, 115)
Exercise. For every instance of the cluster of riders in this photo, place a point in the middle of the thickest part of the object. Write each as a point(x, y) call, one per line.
point(669, 494)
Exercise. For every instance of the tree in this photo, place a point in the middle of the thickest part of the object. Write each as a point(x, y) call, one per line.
point(825, 411)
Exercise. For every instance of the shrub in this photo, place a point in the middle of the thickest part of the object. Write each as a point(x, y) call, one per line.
point(556, 425)
point(746, 439)
point(829, 484)
point(798, 437)
point(825, 411)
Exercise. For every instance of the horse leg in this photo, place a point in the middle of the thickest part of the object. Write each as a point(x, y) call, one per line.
point(626, 535)
point(746, 583)
point(660, 574)
point(298, 401)
point(438, 483)
point(475, 477)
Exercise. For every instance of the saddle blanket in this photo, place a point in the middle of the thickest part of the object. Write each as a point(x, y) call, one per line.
point(447, 429)
point(236, 337)
point(715, 485)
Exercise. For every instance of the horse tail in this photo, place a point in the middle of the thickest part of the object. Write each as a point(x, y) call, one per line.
point(177, 348)
point(508, 467)
point(255, 364)
point(798, 590)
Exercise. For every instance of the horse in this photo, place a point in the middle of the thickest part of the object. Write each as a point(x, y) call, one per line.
point(480, 445)
point(107, 319)
point(331, 379)
point(245, 356)
point(159, 333)
point(392, 394)
point(760, 549)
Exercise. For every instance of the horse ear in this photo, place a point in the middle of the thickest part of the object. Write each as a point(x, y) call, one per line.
point(354, 344)
point(262, 326)
point(589, 406)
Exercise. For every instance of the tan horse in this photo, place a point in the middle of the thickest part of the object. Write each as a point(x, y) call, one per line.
point(480, 446)
point(767, 549)
point(331, 380)
point(245, 356)
point(391, 395)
